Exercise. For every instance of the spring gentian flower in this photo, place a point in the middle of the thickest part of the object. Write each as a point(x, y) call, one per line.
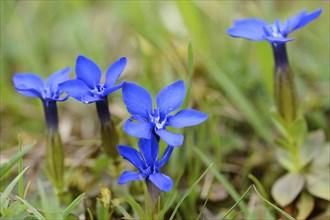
point(32, 85)
point(147, 164)
point(87, 87)
point(259, 30)
point(145, 121)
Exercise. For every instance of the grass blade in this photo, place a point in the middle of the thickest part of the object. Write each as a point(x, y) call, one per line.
point(10, 188)
point(274, 206)
point(136, 207)
point(20, 169)
point(222, 179)
point(73, 205)
point(6, 167)
point(37, 214)
point(232, 208)
point(188, 191)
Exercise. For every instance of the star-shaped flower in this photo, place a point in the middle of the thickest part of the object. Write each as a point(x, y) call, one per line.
point(145, 121)
point(30, 84)
point(147, 164)
point(259, 30)
point(86, 87)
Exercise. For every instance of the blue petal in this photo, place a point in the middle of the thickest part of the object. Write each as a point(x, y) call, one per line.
point(109, 90)
point(114, 72)
point(140, 129)
point(170, 138)
point(300, 20)
point(171, 97)
point(132, 155)
point(88, 71)
point(57, 78)
point(186, 117)
point(251, 29)
point(29, 84)
point(76, 89)
point(128, 176)
point(137, 100)
point(149, 149)
point(166, 156)
point(162, 181)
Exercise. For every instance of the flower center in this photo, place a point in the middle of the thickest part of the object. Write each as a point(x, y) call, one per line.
point(158, 119)
point(98, 91)
point(275, 30)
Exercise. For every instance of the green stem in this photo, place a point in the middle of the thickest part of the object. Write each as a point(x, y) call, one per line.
point(285, 94)
point(109, 135)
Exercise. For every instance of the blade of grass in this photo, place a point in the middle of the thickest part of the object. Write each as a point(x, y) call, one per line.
point(122, 210)
point(190, 73)
point(43, 197)
point(259, 185)
point(136, 207)
point(37, 214)
point(10, 188)
point(188, 191)
point(222, 179)
point(20, 169)
point(6, 167)
point(203, 207)
point(73, 205)
point(237, 98)
point(240, 199)
point(274, 206)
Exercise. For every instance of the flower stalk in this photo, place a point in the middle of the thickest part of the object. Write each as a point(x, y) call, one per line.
point(54, 147)
point(285, 94)
point(109, 135)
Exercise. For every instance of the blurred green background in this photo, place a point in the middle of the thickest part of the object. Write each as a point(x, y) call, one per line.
point(232, 79)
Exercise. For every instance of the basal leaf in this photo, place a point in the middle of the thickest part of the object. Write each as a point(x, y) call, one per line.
point(305, 205)
point(287, 188)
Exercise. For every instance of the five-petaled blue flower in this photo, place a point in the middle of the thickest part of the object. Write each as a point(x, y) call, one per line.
point(145, 121)
point(147, 164)
point(87, 87)
point(259, 30)
point(33, 85)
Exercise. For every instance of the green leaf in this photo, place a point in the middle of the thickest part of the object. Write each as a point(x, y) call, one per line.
point(305, 205)
point(318, 184)
point(279, 122)
point(298, 129)
point(287, 188)
point(188, 192)
point(9, 188)
point(285, 159)
point(6, 167)
point(36, 213)
point(73, 205)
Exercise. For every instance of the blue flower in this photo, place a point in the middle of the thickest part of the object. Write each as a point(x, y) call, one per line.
point(33, 85)
point(259, 30)
point(86, 87)
point(147, 164)
point(145, 121)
